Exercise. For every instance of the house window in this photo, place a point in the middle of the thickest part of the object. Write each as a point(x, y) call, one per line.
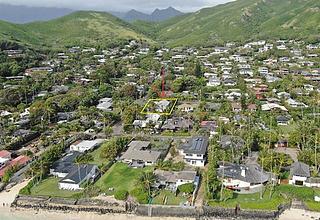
point(193, 162)
point(189, 155)
point(199, 155)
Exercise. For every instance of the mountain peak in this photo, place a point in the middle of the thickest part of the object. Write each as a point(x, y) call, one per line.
point(156, 16)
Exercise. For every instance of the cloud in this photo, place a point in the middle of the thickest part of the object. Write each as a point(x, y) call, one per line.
point(119, 5)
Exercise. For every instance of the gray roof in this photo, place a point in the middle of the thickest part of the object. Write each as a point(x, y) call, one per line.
point(213, 106)
point(300, 169)
point(138, 150)
point(177, 123)
point(252, 173)
point(173, 177)
point(196, 145)
point(65, 164)
point(78, 174)
point(228, 141)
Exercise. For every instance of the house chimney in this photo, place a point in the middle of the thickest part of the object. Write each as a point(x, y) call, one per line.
point(243, 172)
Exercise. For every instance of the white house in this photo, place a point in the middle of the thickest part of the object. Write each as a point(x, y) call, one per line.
point(194, 151)
point(214, 82)
point(299, 173)
point(243, 178)
point(86, 145)
point(105, 104)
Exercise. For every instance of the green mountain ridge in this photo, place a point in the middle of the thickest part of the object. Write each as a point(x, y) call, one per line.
point(83, 27)
point(241, 20)
point(247, 19)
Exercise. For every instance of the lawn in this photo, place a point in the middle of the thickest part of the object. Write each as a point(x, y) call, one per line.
point(120, 177)
point(281, 195)
point(253, 201)
point(97, 160)
point(176, 133)
point(49, 187)
point(171, 198)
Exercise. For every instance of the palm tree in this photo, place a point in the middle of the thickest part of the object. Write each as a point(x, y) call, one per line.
point(147, 179)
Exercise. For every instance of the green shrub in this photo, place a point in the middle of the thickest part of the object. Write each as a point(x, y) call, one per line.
point(140, 194)
point(121, 195)
point(186, 188)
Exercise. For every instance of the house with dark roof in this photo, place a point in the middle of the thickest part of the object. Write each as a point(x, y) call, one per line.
point(62, 167)
point(172, 180)
point(139, 154)
point(283, 120)
point(194, 151)
point(78, 176)
point(299, 173)
point(243, 178)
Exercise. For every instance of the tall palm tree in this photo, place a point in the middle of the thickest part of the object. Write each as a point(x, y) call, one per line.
point(147, 179)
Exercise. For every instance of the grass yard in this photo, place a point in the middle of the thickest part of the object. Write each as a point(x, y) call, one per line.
point(120, 177)
point(287, 129)
point(253, 201)
point(97, 160)
point(281, 195)
point(176, 133)
point(49, 187)
point(171, 198)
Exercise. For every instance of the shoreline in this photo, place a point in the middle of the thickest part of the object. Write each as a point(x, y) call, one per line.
point(28, 214)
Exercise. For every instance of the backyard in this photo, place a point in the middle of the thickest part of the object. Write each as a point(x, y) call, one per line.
point(252, 201)
point(120, 177)
point(281, 195)
point(49, 187)
point(97, 160)
point(166, 197)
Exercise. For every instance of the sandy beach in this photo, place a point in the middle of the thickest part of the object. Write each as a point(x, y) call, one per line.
point(298, 214)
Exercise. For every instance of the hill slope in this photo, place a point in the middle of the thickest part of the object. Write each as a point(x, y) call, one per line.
point(245, 19)
point(82, 27)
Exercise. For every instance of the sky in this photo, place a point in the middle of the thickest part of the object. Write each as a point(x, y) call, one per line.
point(119, 5)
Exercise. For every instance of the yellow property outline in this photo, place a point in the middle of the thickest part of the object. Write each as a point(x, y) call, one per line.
point(159, 113)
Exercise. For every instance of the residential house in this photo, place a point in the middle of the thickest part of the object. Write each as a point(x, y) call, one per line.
point(243, 178)
point(162, 106)
point(86, 145)
point(252, 107)
point(5, 156)
point(271, 106)
point(19, 161)
point(214, 82)
point(299, 173)
point(172, 180)
point(62, 167)
point(211, 107)
point(283, 120)
point(209, 126)
point(234, 142)
point(177, 123)
point(187, 107)
point(139, 154)
point(295, 104)
point(105, 104)
point(194, 151)
point(78, 176)
point(236, 107)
